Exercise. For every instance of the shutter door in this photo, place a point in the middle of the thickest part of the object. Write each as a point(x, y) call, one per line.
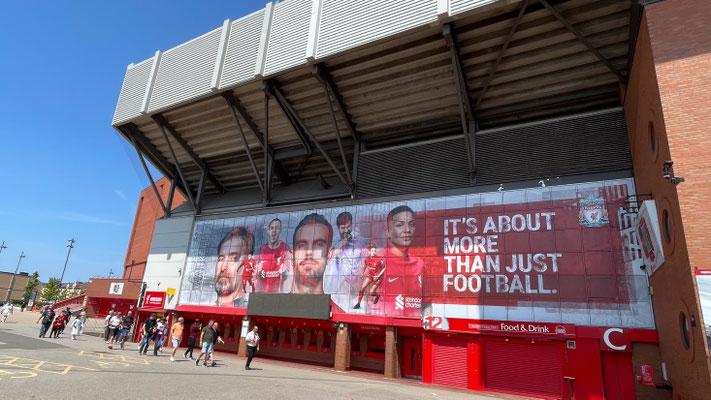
point(530, 369)
point(450, 361)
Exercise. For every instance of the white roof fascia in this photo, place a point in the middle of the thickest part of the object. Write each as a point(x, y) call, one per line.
point(151, 82)
point(264, 40)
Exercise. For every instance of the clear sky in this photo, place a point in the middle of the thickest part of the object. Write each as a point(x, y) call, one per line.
point(64, 171)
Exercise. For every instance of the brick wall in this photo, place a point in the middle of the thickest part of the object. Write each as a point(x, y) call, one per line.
point(147, 212)
point(669, 92)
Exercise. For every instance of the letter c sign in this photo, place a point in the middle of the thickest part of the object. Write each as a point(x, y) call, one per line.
point(608, 343)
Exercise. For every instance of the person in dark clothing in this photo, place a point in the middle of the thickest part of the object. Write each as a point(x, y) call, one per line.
point(47, 317)
point(195, 328)
point(149, 328)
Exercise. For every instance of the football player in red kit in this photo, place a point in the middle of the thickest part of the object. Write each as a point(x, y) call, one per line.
point(248, 268)
point(402, 282)
point(274, 262)
point(374, 268)
point(231, 251)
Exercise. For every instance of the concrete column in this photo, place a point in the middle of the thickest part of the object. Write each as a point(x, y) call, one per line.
point(342, 359)
point(242, 352)
point(294, 337)
point(392, 356)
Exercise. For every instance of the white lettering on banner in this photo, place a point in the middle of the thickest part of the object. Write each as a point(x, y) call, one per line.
point(474, 266)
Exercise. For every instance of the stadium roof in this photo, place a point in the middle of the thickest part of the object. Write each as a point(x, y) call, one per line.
point(343, 77)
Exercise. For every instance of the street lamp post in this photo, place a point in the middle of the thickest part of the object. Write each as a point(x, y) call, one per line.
point(71, 246)
point(12, 281)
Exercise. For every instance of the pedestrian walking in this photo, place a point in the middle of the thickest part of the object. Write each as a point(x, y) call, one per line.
point(77, 327)
point(67, 317)
point(7, 309)
point(215, 339)
point(47, 317)
point(147, 330)
point(206, 337)
point(126, 324)
point(115, 329)
point(57, 325)
point(252, 339)
point(193, 333)
point(176, 335)
point(159, 335)
point(164, 335)
point(106, 326)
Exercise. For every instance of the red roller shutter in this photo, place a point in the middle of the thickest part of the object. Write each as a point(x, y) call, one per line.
point(530, 369)
point(450, 361)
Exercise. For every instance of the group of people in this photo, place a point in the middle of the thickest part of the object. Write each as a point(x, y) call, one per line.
point(205, 337)
point(58, 321)
point(118, 328)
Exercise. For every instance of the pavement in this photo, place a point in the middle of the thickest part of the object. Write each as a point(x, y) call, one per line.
point(33, 368)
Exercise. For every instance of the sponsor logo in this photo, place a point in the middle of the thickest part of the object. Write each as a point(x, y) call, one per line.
point(393, 279)
point(560, 329)
point(593, 213)
point(399, 302)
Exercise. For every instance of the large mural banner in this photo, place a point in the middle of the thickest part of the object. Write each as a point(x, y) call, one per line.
point(565, 254)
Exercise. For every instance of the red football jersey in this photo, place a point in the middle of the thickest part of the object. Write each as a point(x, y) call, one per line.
point(247, 269)
point(373, 266)
point(401, 288)
point(271, 260)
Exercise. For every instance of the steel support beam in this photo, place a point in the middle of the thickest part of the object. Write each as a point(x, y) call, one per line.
point(161, 120)
point(582, 39)
point(502, 51)
point(149, 151)
point(268, 158)
point(235, 119)
point(177, 166)
point(166, 210)
point(320, 72)
point(465, 109)
point(236, 108)
point(272, 89)
point(169, 204)
point(201, 190)
point(338, 134)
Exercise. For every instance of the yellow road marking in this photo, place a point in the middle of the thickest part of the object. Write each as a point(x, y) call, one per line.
point(119, 358)
point(40, 365)
point(29, 374)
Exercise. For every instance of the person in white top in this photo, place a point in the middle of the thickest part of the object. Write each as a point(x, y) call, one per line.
point(106, 323)
point(114, 328)
point(252, 339)
point(7, 309)
point(77, 326)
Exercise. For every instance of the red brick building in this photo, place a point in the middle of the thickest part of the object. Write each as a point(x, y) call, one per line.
point(122, 293)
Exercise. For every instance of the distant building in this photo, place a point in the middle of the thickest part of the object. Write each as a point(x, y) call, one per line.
point(21, 280)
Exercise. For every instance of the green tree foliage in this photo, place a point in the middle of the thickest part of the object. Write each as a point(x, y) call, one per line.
point(31, 285)
point(51, 290)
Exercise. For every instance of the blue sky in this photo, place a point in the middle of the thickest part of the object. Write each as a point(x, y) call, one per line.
point(64, 172)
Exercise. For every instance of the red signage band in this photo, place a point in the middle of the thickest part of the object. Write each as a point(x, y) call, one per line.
point(500, 327)
point(154, 299)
